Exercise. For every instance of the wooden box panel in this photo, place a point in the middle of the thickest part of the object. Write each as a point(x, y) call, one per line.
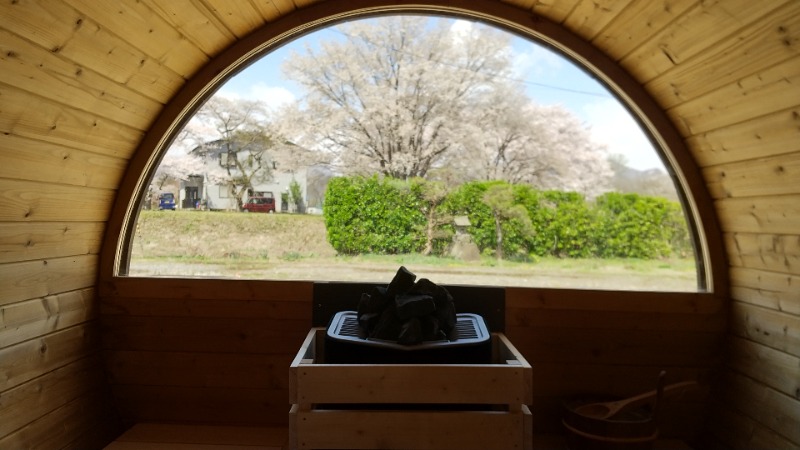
point(458, 406)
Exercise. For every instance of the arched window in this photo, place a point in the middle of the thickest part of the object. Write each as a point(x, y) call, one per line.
point(470, 149)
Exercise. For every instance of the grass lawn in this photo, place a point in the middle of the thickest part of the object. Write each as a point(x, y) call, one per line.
point(294, 247)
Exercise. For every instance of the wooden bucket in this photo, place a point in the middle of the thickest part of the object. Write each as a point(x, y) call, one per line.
point(630, 430)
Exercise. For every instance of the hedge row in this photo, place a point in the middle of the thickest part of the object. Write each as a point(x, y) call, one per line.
point(386, 216)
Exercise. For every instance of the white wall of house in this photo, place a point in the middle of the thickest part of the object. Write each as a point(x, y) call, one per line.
point(218, 198)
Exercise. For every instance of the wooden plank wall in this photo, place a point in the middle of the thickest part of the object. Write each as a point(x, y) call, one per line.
point(583, 343)
point(727, 74)
point(203, 351)
point(218, 351)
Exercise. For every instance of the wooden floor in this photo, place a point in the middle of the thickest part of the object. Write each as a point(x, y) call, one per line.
point(152, 436)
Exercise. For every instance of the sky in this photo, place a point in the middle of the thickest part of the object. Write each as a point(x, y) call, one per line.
point(549, 78)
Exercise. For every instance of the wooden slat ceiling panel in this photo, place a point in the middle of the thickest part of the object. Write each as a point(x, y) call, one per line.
point(146, 31)
point(61, 29)
point(590, 16)
point(195, 22)
point(42, 72)
point(772, 134)
point(301, 3)
point(640, 20)
point(768, 215)
point(774, 89)
point(555, 10)
point(700, 28)
point(239, 16)
point(770, 41)
point(778, 175)
point(268, 10)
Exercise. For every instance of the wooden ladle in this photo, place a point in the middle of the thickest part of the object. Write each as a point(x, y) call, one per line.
point(607, 410)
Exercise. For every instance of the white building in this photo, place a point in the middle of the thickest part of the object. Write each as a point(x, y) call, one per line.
point(205, 190)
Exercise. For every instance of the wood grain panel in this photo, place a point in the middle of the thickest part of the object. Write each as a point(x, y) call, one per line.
point(86, 422)
point(602, 320)
point(775, 253)
point(763, 215)
point(33, 318)
point(300, 3)
point(239, 17)
point(160, 434)
point(270, 12)
point(62, 29)
point(589, 17)
point(617, 347)
point(26, 241)
point(26, 403)
point(194, 21)
point(779, 175)
point(28, 201)
point(773, 368)
point(218, 406)
point(773, 134)
point(770, 40)
point(35, 279)
point(222, 308)
point(698, 29)
point(48, 74)
point(636, 23)
point(257, 336)
point(614, 301)
point(146, 31)
point(555, 10)
point(57, 124)
point(773, 290)
point(28, 159)
point(767, 406)
point(774, 329)
point(739, 432)
point(240, 371)
point(23, 362)
point(176, 288)
point(773, 89)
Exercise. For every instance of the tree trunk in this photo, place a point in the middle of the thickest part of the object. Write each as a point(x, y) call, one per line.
point(499, 236)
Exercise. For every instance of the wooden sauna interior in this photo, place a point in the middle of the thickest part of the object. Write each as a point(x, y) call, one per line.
point(88, 88)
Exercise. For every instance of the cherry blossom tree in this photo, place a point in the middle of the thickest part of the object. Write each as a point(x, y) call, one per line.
point(405, 96)
point(389, 97)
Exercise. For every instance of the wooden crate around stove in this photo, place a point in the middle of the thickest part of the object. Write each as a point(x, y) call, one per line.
point(410, 406)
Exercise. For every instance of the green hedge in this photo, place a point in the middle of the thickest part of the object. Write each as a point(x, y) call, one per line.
point(372, 215)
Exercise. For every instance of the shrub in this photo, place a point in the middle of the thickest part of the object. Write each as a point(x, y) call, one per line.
point(372, 215)
point(634, 226)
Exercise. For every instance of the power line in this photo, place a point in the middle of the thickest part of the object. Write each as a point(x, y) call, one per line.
point(505, 77)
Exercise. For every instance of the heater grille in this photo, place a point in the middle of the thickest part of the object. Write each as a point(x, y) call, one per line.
point(470, 330)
